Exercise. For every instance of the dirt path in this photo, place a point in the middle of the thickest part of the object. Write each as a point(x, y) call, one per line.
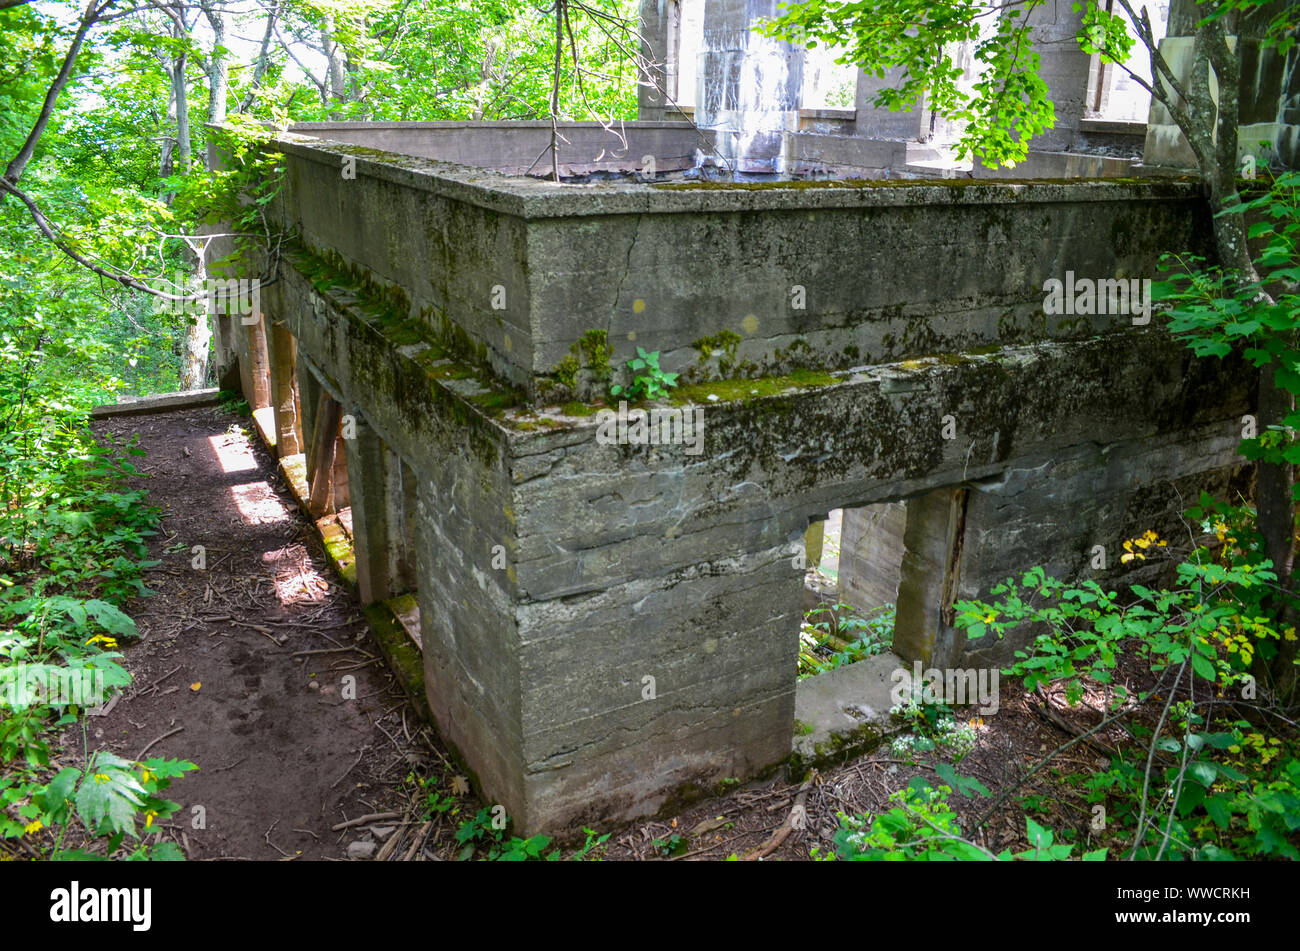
point(283, 755)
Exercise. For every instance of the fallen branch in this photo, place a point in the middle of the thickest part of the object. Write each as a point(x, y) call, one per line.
point(362, 820)
point(140, 755)
point(783, 831)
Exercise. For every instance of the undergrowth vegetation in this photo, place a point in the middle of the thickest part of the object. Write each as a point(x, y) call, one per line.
point(72, 551)
point(834, 635)
point(1200, 758)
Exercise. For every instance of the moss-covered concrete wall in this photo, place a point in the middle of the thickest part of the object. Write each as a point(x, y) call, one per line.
point(610, 628)
point(513, 272)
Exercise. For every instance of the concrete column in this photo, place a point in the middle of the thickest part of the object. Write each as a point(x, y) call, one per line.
point(871, 554)
point(749, 86)
point(930, 573)
point(657, 21)
point(407, 563)
point(378, 516)
point(320, 477)
point(255, 371)
point(339, 475)
point(309, 391)
point(284, 398)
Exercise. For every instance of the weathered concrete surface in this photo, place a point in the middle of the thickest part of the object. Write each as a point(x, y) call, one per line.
point(517, 271)
point(522, 146)
point(607, 629)
point(161, 403)
point(625, 563)
point(871, 554)
point(844, 712)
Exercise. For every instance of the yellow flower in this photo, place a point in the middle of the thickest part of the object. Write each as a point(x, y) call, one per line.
point(103, 778)
point(35, 826)
point(148, 818)
point(108, 642)
point(988, 618)
point(145, 775)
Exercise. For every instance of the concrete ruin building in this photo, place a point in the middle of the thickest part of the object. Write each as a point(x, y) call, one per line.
point(604, 630)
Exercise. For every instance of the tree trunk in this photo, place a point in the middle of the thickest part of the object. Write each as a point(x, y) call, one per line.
point(337, 74)
point(1211, 127)
point(218, 65)
point(184, 148)
point(198, 332)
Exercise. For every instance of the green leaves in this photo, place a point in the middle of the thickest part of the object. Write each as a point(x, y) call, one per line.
point(1001, 111)
point(648, 380)
point(110, 794)
point(1104, 33)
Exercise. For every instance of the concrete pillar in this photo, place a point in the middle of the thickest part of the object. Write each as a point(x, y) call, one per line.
point(563, 716)
point(340, 484)
point(255, 370)
point(871, 554)
point(407, 566)
point(284, 394)
point(749, 86)
point(930, 573)
point(378, 516)
point(309, 391)
point(320, 476)
point(658, 18)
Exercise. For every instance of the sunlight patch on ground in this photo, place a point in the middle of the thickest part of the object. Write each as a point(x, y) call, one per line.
point(233, 452)
point(258, 504)
point(296, 579)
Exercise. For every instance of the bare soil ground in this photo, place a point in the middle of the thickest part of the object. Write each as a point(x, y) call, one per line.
point(221, 677)
point(241, 670)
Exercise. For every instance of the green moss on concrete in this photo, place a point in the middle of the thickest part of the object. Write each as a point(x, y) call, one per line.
point(295, 473)
point(435, 364)
point(595, 350)
point(725, 341)
point(566, 371)
point(338, 548)
point(530, 423)
point(836, 749)
point(398, 648)
point(579, 409)
point(742, 390)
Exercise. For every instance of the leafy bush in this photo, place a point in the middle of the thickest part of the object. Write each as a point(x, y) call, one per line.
point(649, 382)
point(834, 635)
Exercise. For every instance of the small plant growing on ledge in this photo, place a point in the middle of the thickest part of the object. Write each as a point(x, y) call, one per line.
point(649, 382)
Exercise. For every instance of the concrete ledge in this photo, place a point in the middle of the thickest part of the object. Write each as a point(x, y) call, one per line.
point(845, 115)
point(264, 419)
point(161, 403)
point(1113, 126)
point(843, 713)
